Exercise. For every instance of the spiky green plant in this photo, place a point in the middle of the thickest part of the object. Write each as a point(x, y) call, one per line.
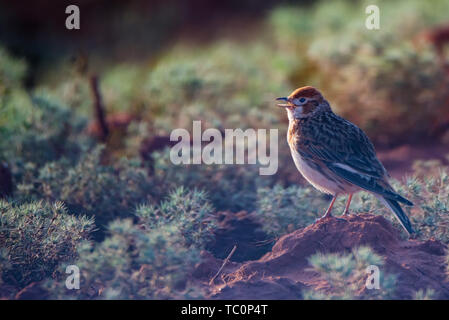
point(135, 261)
point(230, 187)
point(35, 238)
point(89, 187)
point(189, 210)
point(282, 210)
point(346, 276)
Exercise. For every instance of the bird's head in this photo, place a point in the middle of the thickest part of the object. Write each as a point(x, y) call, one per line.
point(303, 103)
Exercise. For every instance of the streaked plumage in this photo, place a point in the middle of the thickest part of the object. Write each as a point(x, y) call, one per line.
point(334, 155)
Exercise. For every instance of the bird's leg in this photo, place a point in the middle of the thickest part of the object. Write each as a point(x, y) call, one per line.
point(346, 212)
point(328, 211)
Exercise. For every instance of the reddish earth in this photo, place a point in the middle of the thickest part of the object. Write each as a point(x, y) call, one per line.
point(284, 272)
point(115, 122)
point(154, 143)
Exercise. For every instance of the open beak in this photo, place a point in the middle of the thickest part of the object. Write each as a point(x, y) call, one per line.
point(284, 105)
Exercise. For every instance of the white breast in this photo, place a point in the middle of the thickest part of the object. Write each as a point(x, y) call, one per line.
point(315, 178)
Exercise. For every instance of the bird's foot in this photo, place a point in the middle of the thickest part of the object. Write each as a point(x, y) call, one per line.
point(346, 213)
point(328, 217)
point(324, 217)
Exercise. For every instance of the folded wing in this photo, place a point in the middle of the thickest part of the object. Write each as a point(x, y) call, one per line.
point(347, 152)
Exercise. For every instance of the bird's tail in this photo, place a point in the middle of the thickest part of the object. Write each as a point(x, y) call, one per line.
point(395, 207)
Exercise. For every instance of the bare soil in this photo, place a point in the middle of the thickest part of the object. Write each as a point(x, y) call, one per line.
point(284, 272)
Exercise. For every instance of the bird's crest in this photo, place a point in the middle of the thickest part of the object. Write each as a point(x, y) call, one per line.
point(306, 92)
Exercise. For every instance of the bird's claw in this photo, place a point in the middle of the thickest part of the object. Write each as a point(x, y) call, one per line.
point(324, 217)
point(328, 217)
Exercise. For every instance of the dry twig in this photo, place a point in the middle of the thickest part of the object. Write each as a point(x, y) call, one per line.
point(223, 265)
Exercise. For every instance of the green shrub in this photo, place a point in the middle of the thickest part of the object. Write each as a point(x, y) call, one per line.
point(190, 211)
point(346, 276)
point(282, 210)
point(38, 131)
point(5, 265)
point(369, 81)
point(430, 195)
point(15, 104)
point(53, 131)
point(15, 108)
point(89, 187)
point(35, 238)
point(121, 86)
point(131, 264)
point(12, 71)
point(230, 187)
point(150, 259)
point(187, 84)
point(215, 78)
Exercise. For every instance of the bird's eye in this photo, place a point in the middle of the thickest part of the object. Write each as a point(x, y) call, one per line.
point(302, 100)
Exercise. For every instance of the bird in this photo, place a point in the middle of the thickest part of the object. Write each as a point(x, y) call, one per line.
point(334, 155)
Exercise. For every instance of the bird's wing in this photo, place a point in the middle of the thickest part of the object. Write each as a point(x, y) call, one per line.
point(334, 140)
point(347, 152)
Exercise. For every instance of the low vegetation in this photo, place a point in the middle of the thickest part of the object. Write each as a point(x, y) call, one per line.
point(135, 223)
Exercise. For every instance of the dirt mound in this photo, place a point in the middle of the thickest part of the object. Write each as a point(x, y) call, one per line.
point(284, 272)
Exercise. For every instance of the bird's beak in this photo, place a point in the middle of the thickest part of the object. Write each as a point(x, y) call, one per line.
point(284, 105)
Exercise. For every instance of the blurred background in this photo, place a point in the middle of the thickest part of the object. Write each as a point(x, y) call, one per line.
point(224, 62)
point(138, 69)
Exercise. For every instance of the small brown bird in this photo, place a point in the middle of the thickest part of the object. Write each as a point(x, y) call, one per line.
point(334, 155)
